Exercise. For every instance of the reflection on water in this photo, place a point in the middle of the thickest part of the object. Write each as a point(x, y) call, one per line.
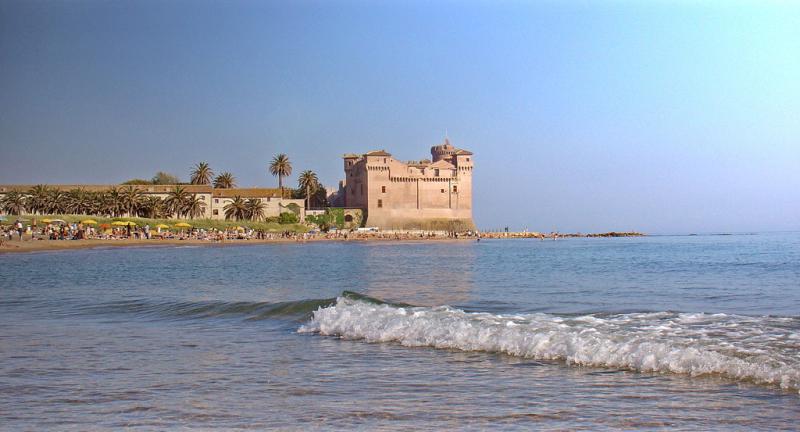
point(412, 275)
point(208, 338)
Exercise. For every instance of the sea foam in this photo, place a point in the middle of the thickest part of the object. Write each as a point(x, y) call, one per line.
point(763, 350)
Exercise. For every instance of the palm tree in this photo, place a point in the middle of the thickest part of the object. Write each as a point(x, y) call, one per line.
point(56, 202)
point(309, 183)
point(236, 209)
point(194, 206)
point(13, 203)
point(202, 174)
point(176, 201)
point(107, 202)
point(131, 199)
point(280, 167)
point(37, 198)
point(152, 207)
point(114, 202)
point(76, 202)
point(255, 209)
point(225, 180)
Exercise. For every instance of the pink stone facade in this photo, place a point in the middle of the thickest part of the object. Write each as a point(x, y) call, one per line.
point(428, 194)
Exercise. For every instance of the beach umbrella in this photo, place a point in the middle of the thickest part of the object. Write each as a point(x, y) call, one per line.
point(60, 221)
point(45, 220)
point(240, 228)
point(182, 225)
point(162, 226)
point(123, 223)
point(89, 222)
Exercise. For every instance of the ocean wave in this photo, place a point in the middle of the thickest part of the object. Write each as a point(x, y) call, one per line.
point(208, 309)
point(763, 350)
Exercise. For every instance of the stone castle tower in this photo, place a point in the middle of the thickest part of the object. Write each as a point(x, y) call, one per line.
point(431, 194)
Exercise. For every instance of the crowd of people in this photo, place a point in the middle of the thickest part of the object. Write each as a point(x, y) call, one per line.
point(62, 230)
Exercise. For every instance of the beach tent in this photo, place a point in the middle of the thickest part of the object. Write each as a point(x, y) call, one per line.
point(162, 226)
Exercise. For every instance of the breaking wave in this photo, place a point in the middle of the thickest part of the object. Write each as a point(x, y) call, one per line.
point(763, 350)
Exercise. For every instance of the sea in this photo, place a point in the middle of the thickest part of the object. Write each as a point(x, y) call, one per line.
point(697, 332)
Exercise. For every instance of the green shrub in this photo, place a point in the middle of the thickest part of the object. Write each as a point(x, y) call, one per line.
point(287, 218)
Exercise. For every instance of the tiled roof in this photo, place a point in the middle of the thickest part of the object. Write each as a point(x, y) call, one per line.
point(247, 193)
point(377, 153)
point(463, 152)
point(441, 164)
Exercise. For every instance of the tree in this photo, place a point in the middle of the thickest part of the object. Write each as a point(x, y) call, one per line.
point(152, 207)
point(78, 201)
point(194, 206)
point(308, 182)
point(162, 178)
point(131, 199)
point(13, 203)
point(37, 199)
point(319, 198)
point(255, 209)
point(55, 202)
point(202, 174)
point(114, 202)
point(281, 167)
point(236, 209)
point(177, 200)
point(225, 180)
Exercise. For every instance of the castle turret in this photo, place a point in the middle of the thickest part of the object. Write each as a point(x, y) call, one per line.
point(443, 151)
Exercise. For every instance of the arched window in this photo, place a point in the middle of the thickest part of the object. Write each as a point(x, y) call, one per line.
point(348, 218)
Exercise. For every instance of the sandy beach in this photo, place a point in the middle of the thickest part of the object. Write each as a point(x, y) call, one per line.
point(27, 246)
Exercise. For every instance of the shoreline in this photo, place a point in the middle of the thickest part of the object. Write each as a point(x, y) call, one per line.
point(32, 246)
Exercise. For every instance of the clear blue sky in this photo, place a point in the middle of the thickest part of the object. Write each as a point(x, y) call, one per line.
point(660, 116)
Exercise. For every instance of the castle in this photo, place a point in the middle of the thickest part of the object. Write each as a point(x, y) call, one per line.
point(433, 194)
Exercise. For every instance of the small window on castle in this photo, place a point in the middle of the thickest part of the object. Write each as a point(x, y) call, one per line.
point(436, 172)
point(455, 188)
point(384, 160)
point(216, 212)
point(380, 203)
point(442, 190)
point(383, 189)
point(467, 159)
point(216, 201)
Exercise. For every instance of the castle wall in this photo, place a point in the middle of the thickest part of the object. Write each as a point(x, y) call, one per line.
point(431, 195)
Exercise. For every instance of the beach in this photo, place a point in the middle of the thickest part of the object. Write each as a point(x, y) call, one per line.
point(15, 246)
